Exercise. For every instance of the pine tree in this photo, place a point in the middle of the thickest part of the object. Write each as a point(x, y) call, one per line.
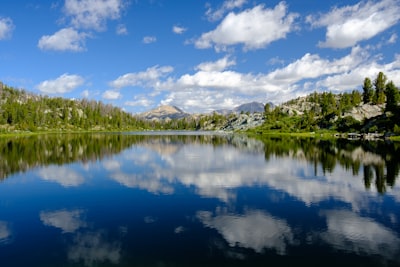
point(392, 96)
point(368, 92)
point(380, 84)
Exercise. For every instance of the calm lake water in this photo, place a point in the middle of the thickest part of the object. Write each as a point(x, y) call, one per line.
point(197, 200)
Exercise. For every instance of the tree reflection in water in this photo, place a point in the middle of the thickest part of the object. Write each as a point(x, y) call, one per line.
point(377, 159)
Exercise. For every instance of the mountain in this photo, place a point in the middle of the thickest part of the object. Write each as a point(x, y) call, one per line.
point(164, 112)
point(253, 107)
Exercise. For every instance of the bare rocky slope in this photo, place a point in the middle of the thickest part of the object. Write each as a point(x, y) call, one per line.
point(359, 113)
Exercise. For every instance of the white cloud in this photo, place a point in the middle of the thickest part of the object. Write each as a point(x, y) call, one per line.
point(221, 80)
point(149, 39)
point(353, 78)
point(218, 65)
point(92, 14)
point(254, 28)
point(62, 175)
point(111, 95)
point(145, 78)
point(85, 93)
point(393, 38)
point(313, 66)
point(227, 6)
point(178, 29)
point(63, 84)
point(204, 100)
point(348, 25)
point(213, 86)
point(139, 100)
point(6, 28)
point(67, 220)
point(66, 39)
point(121, 29)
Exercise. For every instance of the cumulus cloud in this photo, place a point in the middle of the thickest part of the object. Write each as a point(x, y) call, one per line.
point(92, 14)
point(205, 100)
point(111, 95)
point(63, 84)
point(313, 66)
point(6, 28)
point(67, 39)
point(121, 29)
point(392, 39)
point(144, 78)
point(221, 80)
point(213, 85)
point(139, 100)
point(149, 39)
point(85, 93)
point(83, 16)
point(348, 25)
point(178, 29)
point(307, 74)
point(228, 5)
point(218, 65)
point(254, 28)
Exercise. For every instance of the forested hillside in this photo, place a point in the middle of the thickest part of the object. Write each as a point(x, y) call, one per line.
point(22, 111)
point(375, 109)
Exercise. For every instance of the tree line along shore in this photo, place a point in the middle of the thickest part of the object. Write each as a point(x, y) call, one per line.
point(374, 110)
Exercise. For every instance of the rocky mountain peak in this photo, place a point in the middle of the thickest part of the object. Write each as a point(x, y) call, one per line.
point(164, 112)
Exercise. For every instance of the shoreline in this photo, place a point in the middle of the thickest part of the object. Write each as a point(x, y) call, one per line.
point(254, 134)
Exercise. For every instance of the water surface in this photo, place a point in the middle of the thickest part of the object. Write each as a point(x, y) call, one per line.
point(197, 200)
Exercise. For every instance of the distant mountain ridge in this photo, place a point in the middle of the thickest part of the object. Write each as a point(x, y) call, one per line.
point(164, 112)
point(252, 107)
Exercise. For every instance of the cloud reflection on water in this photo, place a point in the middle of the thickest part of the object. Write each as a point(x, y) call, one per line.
point(63, 175)
point(351, 232)
point(67, 220)
point(92, 247)
point(218, 171)
point(5, 232)
point(255, 229)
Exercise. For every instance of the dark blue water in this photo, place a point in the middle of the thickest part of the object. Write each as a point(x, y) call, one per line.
point(168, 200)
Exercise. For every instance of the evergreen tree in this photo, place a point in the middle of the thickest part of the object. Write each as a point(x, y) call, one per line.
point(380, 84)
point(267, 108)
point(355, 98)
point(392, 97)
point(368, 91)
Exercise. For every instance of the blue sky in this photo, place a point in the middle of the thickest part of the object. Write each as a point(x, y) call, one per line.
point(197, 55)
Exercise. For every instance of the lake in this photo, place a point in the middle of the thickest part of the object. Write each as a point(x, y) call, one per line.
point(192, 199)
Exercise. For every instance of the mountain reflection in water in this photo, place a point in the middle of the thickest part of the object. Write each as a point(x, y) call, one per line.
point(197, 199)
